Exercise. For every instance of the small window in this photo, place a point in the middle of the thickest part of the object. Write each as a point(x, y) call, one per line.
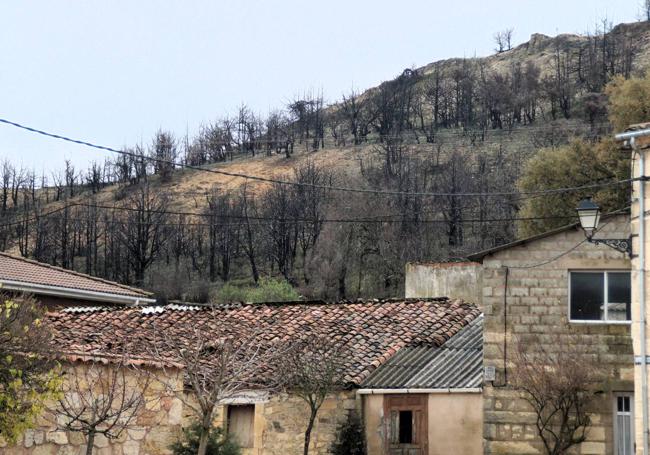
point(600, 296)
point(241, 424)
point(624, 425)
point(406, 427)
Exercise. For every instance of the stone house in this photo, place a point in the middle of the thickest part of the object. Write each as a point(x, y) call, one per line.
point(552, 285)
point(265, 423)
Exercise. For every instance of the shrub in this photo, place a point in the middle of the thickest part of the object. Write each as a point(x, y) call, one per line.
point(350, 440)
point(218, 443)
point(268, 290)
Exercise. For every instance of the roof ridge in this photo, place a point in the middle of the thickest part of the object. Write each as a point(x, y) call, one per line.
point(323, 302)
point(74, 272)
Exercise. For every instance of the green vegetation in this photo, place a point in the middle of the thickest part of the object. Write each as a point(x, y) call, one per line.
point(218, 443)
point(582, 162)
point(629, 101)
point(268, 290)
point(27, 381)
point(350, 440)
point(576, 164)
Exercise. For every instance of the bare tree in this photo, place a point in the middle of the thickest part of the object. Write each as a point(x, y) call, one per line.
point(219, 360)
point(100, 399)
point(312, 369)
point(503, 40)
point(557, 381)
point(141, 232)
point(164, 152)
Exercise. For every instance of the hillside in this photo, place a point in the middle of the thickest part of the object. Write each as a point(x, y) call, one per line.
point(453, 126)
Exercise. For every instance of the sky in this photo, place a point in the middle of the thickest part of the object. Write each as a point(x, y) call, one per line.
point(114, 72)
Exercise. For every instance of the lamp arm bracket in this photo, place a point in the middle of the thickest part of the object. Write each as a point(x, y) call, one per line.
point(622, 245)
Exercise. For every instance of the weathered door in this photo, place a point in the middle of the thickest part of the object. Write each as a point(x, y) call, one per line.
point(405, 417)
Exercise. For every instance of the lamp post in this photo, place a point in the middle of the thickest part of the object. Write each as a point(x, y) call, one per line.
point(589, 215)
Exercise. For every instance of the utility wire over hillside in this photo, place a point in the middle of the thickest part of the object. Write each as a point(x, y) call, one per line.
point(540, 192)
point(245, 219)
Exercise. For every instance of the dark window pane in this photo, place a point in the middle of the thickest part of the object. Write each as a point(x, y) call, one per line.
point(618, 296)
point(405, 427)
point(587, 295)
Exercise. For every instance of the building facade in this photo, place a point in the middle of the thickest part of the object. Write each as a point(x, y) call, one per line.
point(553, 289)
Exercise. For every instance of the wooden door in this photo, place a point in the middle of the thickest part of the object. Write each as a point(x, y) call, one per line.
point(405, 418)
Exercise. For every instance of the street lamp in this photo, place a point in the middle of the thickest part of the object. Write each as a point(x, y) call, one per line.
point(589, 215)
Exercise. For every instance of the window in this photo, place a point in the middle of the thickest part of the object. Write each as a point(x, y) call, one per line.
point(241, 424)
point(406, 423)
point(405, 427)
point(624, 425)
point(600, 296)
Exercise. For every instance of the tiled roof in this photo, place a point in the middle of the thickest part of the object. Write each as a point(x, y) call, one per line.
point(372, 331)
point(456, 364)
point(22, 270)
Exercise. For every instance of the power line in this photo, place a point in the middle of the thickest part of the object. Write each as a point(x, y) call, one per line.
point(246, 219)
point(312, 185)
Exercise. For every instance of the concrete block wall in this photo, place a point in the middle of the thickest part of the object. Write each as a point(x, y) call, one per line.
point(537, 303)
point(456, 280)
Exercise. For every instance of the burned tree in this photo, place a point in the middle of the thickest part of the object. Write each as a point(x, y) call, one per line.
point(163, 154)
point(141, 229)
point(503, 40)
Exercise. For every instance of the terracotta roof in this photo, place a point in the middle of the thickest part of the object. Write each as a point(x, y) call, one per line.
point(29, 272)
point(373, 330)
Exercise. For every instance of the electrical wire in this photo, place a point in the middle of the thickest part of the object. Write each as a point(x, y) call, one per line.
point(245, 219)
point(312, 185)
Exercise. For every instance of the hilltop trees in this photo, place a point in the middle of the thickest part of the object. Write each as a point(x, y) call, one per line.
point(459, 126)
point(503, 40)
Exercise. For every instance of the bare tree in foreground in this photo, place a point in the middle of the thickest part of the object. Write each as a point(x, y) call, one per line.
point(312, 369)
point(101, 399)
point(558, 386)
point(217, 363)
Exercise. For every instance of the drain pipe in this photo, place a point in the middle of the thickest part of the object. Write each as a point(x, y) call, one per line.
point(631, 136)
point(642, 323)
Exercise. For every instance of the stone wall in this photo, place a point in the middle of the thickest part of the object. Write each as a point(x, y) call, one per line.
point(281, 419)
point(537, 305)
point(279, 424)
point(151, 432)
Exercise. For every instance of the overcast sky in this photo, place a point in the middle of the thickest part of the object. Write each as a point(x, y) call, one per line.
point(113, 72)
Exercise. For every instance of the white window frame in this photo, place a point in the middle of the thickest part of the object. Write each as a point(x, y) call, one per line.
point(630, 395)
point(606, 272)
